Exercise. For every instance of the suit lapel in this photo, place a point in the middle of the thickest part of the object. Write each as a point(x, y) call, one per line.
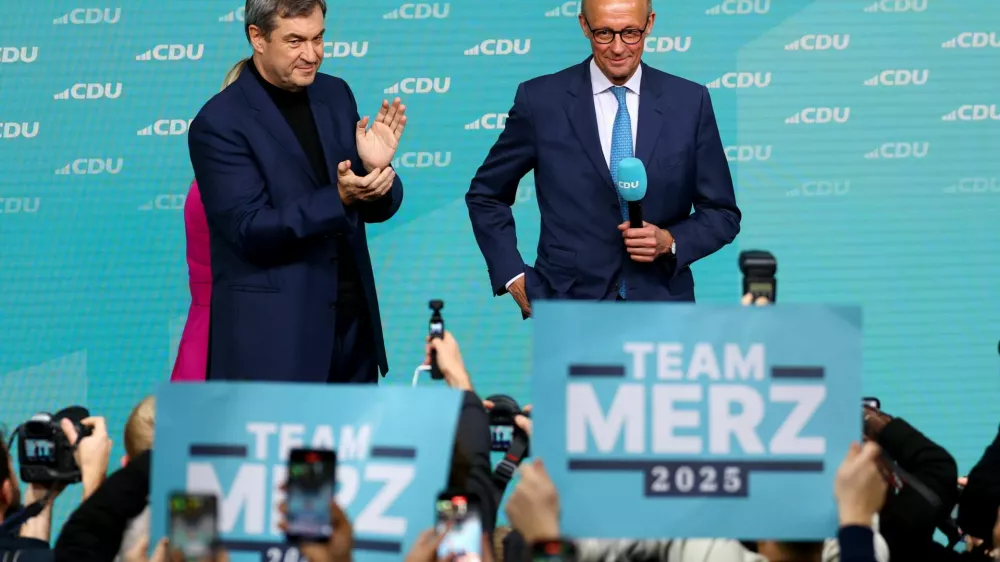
point(651, 118)
point(583, 119)
point(324, 126)
point(274, 122)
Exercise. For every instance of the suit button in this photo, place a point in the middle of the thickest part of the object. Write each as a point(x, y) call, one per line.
point(326, 237)
point(333, 306)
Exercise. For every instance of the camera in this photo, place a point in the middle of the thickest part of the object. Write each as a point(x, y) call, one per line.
point(436, 330)
point(507, 438)
point(503, 430)
point(759, 268)
point(44, 453)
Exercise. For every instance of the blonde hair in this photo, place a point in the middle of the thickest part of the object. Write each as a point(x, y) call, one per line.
point(139, 427)
point(234, 73)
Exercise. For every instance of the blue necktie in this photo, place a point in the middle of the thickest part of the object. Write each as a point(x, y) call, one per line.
point(621, 148)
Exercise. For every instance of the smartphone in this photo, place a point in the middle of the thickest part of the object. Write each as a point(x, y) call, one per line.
point(872, 402)
point(194, 526)
point(464, 540)
point(312, 475)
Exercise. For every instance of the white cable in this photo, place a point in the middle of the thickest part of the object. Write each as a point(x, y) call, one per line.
point(417, 371)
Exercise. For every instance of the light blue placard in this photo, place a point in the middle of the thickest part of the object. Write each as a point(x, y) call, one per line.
point(393, 447)
point(644, 415)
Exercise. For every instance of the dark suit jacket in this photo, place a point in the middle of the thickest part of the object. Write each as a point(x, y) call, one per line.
point(272, 225)
point(552, 129)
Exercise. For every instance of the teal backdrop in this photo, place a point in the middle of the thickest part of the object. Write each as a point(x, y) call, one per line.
point(863, 137)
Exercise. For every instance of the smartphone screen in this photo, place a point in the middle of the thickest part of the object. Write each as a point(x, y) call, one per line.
point(311, 479)
point(465, 538)
point(193, 525)
point(502, 435)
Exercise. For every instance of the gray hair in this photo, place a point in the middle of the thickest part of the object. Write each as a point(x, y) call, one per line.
point(583, 7)
point(264, 14)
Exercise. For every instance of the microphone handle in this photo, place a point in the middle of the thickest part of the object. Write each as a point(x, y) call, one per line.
point(635, 214)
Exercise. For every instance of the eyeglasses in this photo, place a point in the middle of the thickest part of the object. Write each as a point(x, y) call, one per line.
point(604, 36)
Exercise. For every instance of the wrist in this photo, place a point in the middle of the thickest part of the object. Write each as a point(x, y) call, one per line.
point(855, 517)
point(91, 483)
point(541, 533)
point(459, 378)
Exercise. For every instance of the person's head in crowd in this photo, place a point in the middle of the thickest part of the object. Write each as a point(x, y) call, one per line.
point(10, 492)
point(139, 428)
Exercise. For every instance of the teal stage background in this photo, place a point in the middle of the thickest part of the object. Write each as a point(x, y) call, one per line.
point(864, 137)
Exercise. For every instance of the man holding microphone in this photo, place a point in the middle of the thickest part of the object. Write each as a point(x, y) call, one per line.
point(574, 128)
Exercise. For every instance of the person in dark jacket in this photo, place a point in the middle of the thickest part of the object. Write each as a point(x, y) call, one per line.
point(908, 519)
point(473, 431)
point(93, 533)
point(27, 542)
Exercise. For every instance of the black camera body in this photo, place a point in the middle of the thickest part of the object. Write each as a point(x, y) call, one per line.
point(44, 453)
point(759, 269)
point(435, 329)
point(507, 438)
point(503, 430)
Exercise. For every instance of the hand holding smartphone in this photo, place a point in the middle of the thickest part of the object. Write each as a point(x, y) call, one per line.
point(464, 540)
point(310, 490)
point(194, 528)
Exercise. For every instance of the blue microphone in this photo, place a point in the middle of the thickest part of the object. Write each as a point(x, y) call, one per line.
point(632, 187)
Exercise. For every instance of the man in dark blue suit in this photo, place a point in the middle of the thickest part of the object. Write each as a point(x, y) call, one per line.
point(572, 128)
point(289, 174)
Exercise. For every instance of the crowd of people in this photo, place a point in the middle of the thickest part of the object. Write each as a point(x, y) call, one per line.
point(894, 490)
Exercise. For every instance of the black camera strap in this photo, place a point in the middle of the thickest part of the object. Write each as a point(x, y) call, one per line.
point(505, 469)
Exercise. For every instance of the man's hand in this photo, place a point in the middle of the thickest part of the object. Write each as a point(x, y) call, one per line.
point(341, 543)
point(377, 145)
point(426, 546)
point(449, 360)
point(354, 188)
point(533, 507)
point(759, 301)
point(647, 243)
point(517, 291)
point(859, 485)
point(93, 453)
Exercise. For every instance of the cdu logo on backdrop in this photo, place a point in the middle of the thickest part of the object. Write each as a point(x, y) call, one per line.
point(696, 421)
point(232, 440)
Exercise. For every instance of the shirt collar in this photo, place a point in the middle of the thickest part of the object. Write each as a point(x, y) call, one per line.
point(601, 83)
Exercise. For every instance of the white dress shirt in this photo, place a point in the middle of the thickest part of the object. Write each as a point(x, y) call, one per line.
point(606, 107)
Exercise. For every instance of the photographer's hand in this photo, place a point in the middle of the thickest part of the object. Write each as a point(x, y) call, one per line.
point(533, 507)
point(92, 454)
point(449, 360)
point(759, 301)
point(40, 526)
point(524, 422)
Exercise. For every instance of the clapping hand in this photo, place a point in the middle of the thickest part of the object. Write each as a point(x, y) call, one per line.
point(377, 145)
point(354, 188)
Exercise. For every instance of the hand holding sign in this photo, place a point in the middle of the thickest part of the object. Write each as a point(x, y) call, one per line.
point(860, 487)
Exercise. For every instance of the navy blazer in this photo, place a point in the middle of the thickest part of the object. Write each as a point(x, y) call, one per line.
point(552, 129)
point(273, 227)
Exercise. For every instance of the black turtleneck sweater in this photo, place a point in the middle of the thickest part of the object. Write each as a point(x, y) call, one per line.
point(294, 106)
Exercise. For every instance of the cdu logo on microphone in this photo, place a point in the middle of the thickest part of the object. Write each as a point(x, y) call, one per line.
point(631, 179)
